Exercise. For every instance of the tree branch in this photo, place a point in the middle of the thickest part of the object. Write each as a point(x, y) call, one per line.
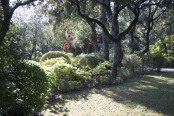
point(106, 4)
point(158, 15)
point(21, 4)
point(133, 23)
point(145, 5)
point(94, 20)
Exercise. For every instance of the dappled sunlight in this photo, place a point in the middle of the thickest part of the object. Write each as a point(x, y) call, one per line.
point(150, 95)
point(152, 92)
point(86, 57)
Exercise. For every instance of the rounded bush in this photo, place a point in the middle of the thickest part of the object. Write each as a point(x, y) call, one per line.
point(66, 77)
point(132, 62)
point(66, 71)
point(30, 88)
point(89, 61)
point(54, 54)
point(53, 61)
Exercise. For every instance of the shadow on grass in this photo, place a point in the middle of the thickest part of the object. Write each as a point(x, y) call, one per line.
point(155, 92)
point(56, 103)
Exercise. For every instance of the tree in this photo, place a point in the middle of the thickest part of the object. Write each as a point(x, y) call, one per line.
point(7, 15)
point(149, 19)
point(103, 19)
point(65, 18)
point(116, 36)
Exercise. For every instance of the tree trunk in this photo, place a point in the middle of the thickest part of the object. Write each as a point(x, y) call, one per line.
point(3, 30)
point(5, 23)
point(147, 43)
point(94, 37)
point(118, 56)
point(132, 40)
point(104, 36)
point(33, 50)
point(34, 44)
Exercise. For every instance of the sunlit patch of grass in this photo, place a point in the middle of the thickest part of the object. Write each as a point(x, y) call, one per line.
point(152, 95)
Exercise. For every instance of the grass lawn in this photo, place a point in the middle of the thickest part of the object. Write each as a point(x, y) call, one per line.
point(152, 95)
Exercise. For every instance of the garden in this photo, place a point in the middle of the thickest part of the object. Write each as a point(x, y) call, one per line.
point(104, 55)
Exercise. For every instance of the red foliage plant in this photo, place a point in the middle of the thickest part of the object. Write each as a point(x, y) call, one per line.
point(67, 43)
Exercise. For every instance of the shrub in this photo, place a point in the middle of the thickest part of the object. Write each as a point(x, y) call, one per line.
point(66, 71)
point(64, 78)
point(124, 73)
point(29, 89)
point(54, 54)
point(6, 91)
point(102, 68)
point(170, 62)
point(69, 54)
point(53, 61)
point(88, 61)
point(158, 61)
point(38, 56)
point(146, 60)
point(132, 62)
point(102, 72)
point(65, 85)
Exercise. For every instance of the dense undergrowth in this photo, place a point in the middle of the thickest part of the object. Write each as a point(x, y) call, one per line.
point(26, 84)
point(84, 71)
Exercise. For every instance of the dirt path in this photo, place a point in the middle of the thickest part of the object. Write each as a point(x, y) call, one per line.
point(149, 96)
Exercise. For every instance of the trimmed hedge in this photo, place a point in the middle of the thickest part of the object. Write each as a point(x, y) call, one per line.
point(54, 54)
point(30, 89)
point(53, 61)
point(89, 61)
point(64, 78)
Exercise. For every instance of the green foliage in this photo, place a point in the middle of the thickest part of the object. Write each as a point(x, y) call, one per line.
point(30, 87)
point(66, 71)
point(38, 56)
point(169, 41)
point(157, 60)
point(124, 73)
point(146, 60)
point(10, 56)
point(102, 68)
point(53, 61)
point(102, 72)
point(162, 56)
point(158, 47)
point(88, 61)
point(132, 62)
point(23, 85)
point(111, 53)
point(25, 89)
point(55, 54)
point(64, 78)
point(65, 85)
point(170, 62)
